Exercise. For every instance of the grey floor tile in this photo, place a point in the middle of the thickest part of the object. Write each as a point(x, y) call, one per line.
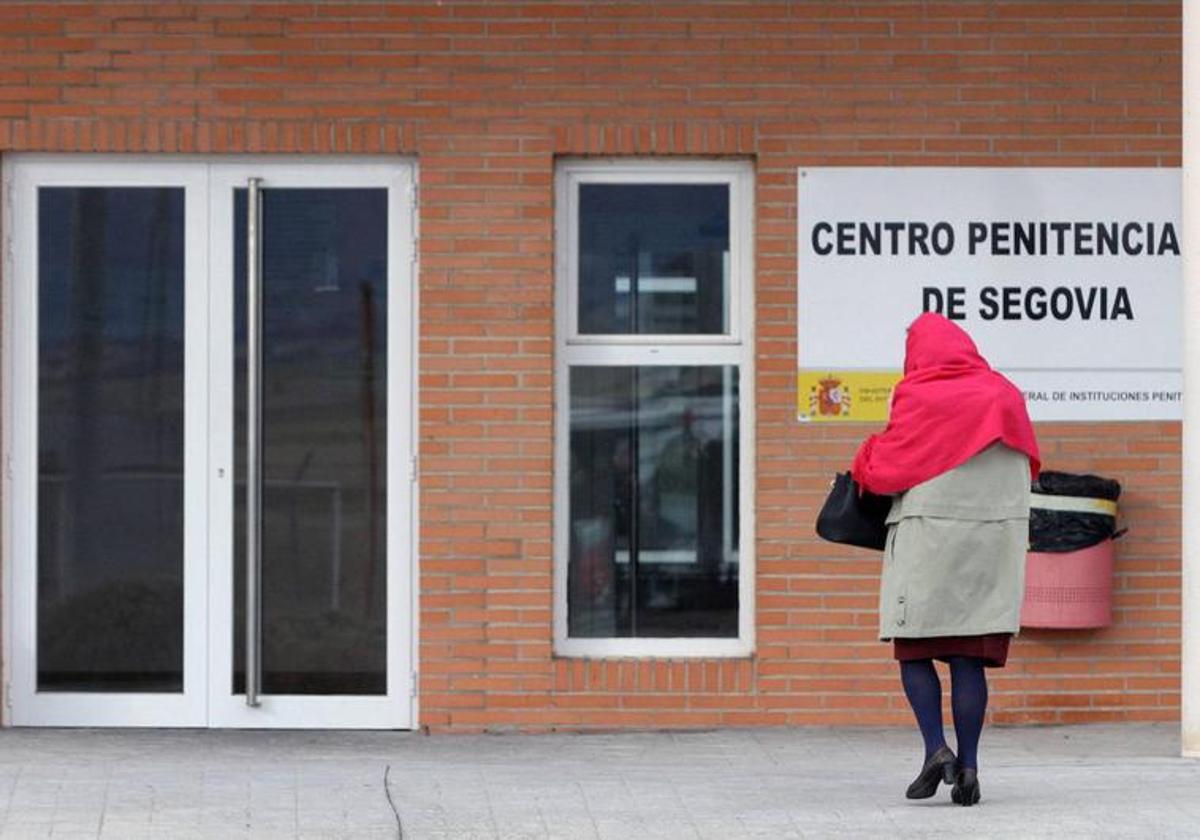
point(1118, 781)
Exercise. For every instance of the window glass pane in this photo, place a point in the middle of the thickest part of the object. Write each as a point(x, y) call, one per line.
point(110, 439)
point(653, 507)
point(653, 259)
point(324, 441)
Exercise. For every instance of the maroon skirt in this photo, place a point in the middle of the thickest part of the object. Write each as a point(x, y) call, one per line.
point(992, 648)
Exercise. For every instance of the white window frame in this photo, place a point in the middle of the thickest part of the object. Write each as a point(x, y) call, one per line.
point(735, 347)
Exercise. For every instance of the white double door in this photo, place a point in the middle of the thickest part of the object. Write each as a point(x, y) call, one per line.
point(137, 591)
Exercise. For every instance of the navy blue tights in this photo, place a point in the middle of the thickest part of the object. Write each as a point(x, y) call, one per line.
point(968, 703)
point(924, 692)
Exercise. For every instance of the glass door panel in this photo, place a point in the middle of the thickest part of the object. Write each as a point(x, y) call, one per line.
point(110, 439)
point(108, 564)
point(331, 613)
point(324, 441)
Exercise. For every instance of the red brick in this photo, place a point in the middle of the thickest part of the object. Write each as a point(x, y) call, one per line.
point(485, 97)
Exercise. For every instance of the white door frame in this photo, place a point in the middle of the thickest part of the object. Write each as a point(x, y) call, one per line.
point(206, 700)
point(368, 712)
point(28, 706)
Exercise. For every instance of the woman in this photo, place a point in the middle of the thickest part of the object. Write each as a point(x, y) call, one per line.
point(958, 454)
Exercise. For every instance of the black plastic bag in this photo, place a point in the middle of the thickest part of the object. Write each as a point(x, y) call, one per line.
point(1070, 484)
point(1054, 530)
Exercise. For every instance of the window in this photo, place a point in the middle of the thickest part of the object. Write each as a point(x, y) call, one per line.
point(653, 436)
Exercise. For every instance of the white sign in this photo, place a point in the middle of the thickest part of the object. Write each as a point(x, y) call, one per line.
point(1069, 280)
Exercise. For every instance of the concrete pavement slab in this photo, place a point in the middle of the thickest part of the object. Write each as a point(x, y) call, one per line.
point(1085, 781)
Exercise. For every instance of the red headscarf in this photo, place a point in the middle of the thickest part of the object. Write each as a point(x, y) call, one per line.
point(949, 407)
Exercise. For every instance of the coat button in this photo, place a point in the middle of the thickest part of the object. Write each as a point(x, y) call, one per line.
point(900, 600)
point(900, 622)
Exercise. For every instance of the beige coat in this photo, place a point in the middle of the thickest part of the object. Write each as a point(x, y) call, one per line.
point(954, 564)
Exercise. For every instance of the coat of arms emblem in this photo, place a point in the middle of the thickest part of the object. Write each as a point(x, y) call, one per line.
point(828, 398)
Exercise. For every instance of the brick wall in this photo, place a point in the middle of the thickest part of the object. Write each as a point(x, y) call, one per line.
point(486, 95)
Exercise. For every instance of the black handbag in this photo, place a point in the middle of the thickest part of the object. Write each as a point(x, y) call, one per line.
point(852, 518)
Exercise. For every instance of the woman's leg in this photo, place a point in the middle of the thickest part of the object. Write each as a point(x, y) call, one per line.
point(924, 692)
point(968, 701)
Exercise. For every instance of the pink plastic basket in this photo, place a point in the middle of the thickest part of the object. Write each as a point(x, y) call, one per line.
point(1071, 590)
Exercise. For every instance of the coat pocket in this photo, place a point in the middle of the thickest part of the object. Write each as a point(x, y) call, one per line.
point(894, 592)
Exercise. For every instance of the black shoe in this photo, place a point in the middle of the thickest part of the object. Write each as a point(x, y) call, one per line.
point(966, 787)
point(939, 768)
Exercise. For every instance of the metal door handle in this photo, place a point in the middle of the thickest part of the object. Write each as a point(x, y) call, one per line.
point(253, 439)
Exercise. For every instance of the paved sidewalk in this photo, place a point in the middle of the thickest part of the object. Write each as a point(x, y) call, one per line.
point(1094, 781)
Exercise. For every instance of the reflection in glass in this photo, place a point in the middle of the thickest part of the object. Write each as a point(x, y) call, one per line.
point(653, 258)
point(110, 439)
point(324, 280)
point(653, 509)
